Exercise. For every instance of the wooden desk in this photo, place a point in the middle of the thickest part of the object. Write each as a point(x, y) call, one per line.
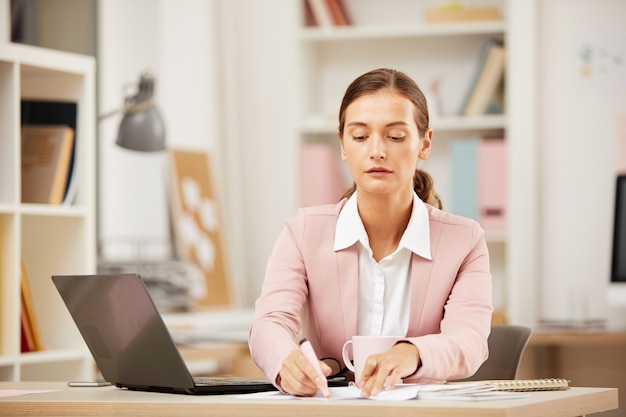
point(110, 401)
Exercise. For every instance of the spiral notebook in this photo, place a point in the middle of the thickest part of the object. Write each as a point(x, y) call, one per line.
point(490, 390)
point(523, 385)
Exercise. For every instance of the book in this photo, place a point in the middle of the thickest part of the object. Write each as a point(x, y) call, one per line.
point(46, 157)
point(338, 12)
point(307, 14)
point(486, 80)
point(479, 181)
point(460, 13)
point(464, 159)
point(31, 336)
point(321, 13)
point(492, 184)
point(44, 112)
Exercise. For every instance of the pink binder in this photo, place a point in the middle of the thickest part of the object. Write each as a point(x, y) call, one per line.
point(321, 179)
point(492, 180)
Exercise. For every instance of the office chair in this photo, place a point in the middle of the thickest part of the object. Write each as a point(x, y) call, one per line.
point(506, 346)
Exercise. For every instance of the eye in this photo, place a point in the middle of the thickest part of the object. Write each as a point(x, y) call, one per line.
point(396, 138)
point(359, 137)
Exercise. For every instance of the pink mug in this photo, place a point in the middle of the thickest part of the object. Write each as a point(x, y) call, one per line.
point(363, 347)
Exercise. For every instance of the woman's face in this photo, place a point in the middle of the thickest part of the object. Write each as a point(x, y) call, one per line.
point(381, 143)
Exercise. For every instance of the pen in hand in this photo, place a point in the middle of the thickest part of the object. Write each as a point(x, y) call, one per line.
point(309, 353)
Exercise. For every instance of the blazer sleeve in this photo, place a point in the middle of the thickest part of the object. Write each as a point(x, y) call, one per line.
point(278, 310)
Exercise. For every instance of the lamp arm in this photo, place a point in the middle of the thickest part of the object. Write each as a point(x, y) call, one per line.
point(109, 114)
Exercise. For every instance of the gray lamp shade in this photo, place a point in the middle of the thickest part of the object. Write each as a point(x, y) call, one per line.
point(142, 128)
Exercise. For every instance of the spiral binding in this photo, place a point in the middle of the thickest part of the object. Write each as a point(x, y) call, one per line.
point(548, 384)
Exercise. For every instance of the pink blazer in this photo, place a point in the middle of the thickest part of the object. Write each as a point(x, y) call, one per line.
point(309, 288)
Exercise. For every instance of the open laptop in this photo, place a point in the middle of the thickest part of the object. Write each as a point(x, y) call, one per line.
point(129, 340)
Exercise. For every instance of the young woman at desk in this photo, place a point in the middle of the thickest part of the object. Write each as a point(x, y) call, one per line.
point(385, 260)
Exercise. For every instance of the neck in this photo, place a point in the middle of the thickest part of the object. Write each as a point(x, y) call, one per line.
point(385, 218)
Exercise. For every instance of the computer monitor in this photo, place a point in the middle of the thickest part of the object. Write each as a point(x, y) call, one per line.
point(617, 287)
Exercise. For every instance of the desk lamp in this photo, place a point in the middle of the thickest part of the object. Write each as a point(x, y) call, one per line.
point(142, 128)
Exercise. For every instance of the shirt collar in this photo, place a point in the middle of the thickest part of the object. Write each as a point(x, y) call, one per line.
point(415, 238)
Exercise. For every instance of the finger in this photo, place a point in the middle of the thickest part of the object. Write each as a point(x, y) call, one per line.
point(369, 367)
point(326, 370)
point(380, 378)
point(393, 379)
point(373, 382)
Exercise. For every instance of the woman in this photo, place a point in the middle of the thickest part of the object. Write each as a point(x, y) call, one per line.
point(385, 260)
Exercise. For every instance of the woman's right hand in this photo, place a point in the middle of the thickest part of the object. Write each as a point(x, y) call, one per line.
point(297, 375)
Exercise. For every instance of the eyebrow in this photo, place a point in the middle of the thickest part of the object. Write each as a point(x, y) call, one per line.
point(398, 123)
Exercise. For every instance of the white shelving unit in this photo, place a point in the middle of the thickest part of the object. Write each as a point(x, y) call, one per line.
point(392, 34)
point(52, 239)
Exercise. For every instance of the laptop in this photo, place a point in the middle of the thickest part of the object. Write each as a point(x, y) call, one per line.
point(129, 340)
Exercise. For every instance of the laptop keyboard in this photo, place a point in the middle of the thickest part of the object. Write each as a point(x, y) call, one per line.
point(212, 381)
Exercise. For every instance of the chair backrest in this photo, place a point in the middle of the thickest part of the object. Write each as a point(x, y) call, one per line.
point(506, 346)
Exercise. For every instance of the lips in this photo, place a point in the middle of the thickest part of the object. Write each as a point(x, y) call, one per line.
point(377, 170)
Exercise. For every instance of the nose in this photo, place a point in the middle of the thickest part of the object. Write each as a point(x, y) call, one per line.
point(377, 148)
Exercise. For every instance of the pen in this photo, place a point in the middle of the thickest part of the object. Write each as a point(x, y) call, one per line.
point(309, 353)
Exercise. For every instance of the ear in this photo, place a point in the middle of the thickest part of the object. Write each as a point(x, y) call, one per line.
point(343, 152)
point(427, 140)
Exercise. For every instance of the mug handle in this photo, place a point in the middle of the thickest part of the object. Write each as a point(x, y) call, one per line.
point(344, 353)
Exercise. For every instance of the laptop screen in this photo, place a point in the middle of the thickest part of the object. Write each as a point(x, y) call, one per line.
point(123, 330)
point(618, 264)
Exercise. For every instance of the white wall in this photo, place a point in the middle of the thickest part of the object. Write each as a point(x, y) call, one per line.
point(578, 131)
point(260, 115)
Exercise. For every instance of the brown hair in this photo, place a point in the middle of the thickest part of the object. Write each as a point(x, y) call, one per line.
point(396, 81)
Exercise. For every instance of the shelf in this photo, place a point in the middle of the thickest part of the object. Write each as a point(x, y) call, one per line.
point(365, 32)
point(51, 239)
point(52, 210)
point(39, 62)
point(318, 124)
point(57, 355)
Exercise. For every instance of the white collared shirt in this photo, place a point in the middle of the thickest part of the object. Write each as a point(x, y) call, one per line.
point(384, 287)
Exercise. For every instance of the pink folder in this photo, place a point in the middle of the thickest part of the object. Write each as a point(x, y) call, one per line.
point(492, 180)
point(321, 179)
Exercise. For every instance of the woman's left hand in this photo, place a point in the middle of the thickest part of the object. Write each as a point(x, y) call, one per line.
point(385, 370)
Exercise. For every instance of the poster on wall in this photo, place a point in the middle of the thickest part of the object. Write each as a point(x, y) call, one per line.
point(197, 223)
point(602, 60)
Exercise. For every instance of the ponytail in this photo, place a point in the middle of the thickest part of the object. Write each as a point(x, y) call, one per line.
point(423, 185)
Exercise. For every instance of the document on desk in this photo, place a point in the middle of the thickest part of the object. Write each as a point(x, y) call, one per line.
point(399, 393)
point(402, 392)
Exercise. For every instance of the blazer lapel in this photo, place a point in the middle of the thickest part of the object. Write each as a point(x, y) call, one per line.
point(348, 271)
point(421, 274)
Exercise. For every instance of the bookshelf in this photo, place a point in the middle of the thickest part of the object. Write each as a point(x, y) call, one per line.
point(394, 34)
point(52, 239)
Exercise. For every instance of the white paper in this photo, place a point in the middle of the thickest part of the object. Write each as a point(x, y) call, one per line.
point(399, 393)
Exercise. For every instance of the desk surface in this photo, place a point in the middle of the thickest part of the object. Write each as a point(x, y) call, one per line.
point(112, 401)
